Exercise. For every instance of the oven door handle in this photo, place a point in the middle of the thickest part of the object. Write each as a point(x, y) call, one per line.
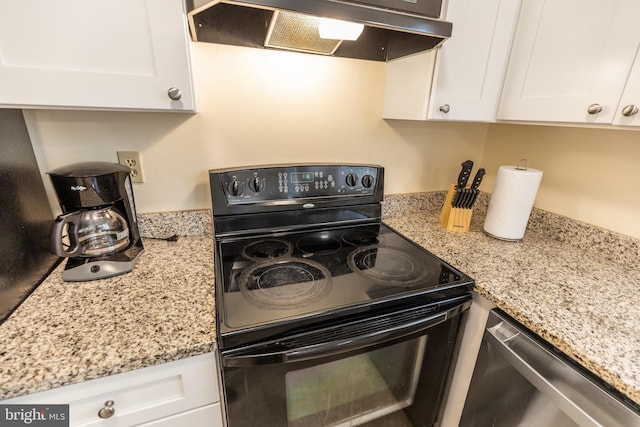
point(332, 348)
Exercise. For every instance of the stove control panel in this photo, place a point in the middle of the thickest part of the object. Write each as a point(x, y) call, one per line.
point(282, 184)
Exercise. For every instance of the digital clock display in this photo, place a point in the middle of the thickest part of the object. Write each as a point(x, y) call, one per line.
point(301, 177)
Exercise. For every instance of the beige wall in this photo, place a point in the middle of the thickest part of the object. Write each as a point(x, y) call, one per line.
point(259, 107)
point(588, 174)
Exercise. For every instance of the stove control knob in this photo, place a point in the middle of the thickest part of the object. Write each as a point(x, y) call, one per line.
point(235, 188)
point(255, 184)
point(367, 181)
point(351, 179)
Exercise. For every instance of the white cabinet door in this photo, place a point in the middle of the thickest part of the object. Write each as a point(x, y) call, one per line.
point(568, 55)
point(461, 80)
point(95, 54)
point(628, 113)
point(472, 66)
point(144, 395)
point(408, 86)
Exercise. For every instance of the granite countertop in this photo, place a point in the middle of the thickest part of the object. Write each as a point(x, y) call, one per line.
point(66, 333)
point(573, 284)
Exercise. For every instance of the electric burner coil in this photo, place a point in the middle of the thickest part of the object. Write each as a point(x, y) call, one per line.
point(387, 266)
point(285, 283)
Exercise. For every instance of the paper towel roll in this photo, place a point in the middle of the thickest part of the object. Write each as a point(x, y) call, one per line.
point(511, 202)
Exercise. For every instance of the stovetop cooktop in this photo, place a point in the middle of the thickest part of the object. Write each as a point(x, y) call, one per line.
point(287, 276)
point(302, 246)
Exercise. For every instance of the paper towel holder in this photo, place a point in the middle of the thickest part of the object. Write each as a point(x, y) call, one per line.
point(523, 165)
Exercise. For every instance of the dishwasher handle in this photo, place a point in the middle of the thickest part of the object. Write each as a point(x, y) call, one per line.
point(576, 395)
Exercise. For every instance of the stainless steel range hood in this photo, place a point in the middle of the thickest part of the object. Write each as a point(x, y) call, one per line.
point(392, 28)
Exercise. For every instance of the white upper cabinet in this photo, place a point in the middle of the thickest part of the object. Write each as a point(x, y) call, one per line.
point(95, 54)
point(473, 62)
point(570, 60)
point(462, 79)
point(628, 113)
point(407, 89)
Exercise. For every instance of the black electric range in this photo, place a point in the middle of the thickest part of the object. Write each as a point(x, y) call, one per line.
point(299, 246)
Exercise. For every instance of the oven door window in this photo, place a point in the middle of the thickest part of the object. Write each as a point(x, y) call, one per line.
point(355, 389)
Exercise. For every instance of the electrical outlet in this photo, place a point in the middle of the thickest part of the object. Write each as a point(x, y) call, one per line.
point(131, 159)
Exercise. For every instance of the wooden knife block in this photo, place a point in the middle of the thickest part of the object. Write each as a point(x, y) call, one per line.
point(454, 219)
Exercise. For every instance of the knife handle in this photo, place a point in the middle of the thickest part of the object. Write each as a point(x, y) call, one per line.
point(465, 173)
point(478, 178)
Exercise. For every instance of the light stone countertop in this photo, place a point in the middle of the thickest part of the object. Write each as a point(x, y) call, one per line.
point(66, 333)
point(573, 284)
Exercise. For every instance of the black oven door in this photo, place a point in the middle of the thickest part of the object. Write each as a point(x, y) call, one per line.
point(389, 369)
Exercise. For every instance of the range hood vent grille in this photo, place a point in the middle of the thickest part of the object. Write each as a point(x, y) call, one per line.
point(388, 34)
point(293, 32)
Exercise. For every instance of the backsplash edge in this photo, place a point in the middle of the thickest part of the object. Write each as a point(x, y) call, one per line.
point(161, 225)
point(613, 246)
point(617, 247)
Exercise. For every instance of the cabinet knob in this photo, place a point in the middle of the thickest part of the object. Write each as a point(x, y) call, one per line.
point(629, 110)
point(174, 93)
point(594, 109)
point(445, 108)
point(108, 410)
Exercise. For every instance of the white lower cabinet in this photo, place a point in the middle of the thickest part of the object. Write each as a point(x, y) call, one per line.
point(209, 416)
point(179, 393)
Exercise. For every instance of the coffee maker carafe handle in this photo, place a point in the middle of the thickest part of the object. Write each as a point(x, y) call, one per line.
point(57, 247)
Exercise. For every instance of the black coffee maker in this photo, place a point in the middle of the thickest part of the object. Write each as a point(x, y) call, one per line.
point(98, 228)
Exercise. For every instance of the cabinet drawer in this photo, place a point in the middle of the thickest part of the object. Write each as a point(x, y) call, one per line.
point(209, 416)
point(138, 396)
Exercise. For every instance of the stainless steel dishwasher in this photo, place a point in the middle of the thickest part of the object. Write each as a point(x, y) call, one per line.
point(519, 380)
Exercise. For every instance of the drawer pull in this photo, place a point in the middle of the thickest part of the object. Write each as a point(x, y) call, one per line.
point(108, 410)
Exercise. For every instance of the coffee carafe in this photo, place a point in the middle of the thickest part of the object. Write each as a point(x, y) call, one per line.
point(98, 228)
